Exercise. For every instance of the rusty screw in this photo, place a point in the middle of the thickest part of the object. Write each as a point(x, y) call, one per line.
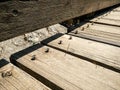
point(92, 23)
point(83, 29)
point(76, 32)
point(88, 26)
point(47, 50)
point(6, 74)
point(33, 57)
point(60, 42)
point(70, 38)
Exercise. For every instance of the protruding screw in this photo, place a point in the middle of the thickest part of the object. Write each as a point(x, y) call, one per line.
point(47, 50)
point(83, 29)
point(76, 32)
point(70, 38)
point(6, 74)
point(92, 23)
point(88, 26)
point(33, 57)
point(60, 42)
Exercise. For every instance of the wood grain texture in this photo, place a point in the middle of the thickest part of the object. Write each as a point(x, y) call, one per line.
point(18, 16)
point(99, 32)
point(110, 18)
point(19, 80)
point(67, 71)
point(96, 51)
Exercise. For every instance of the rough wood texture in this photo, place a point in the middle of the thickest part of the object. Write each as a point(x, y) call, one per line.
point(109, 18)
point(99, 32)
point(100, 52)
point(16, 44)
point(18, 16)
point(12, 78)
point(65, 70)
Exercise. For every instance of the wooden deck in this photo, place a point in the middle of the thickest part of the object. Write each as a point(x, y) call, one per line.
point(99, 32)
point(67, 71)
point(87, 58)
point(12, 78)
point(18, 17)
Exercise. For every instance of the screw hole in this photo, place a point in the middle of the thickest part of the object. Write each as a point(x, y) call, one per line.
point(15, 12)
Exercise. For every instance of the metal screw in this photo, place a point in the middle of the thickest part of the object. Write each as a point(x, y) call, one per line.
point(60, 42)
point(76, 32)
point(92, 23)
point(83, 29)
point(88, 26)
point(47, 50)
point(33, 57)
point(70, 38)
point(6, 74)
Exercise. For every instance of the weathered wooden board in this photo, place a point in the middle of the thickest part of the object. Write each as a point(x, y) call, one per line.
point(111, 18)
point(107, 21)
point(67, 71)
point(12, 78)
point(104, 28)
point(114, 13)
point(100, 52)
point(21, 16)
point(98, 32)
point(114, 17)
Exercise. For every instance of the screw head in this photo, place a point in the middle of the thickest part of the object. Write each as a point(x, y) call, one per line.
point(70, 38)
point(6, 74)
point(47, 50)
point(92, 23)
point(76, 32)
point(83, 29)
point(88, 26)
point(60, 42)
point(33, 57)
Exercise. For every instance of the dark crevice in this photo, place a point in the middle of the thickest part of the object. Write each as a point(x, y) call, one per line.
point(4, 0)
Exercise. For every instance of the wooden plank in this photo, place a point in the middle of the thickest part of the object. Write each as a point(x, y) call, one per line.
point(114, 13)
point(12, 78)
point(100, 33)
point(107, 21)
point(103, 28)
point(114, 17)
point(67, 71)
point(100, 52)
point(109, 18)
point(18, 16)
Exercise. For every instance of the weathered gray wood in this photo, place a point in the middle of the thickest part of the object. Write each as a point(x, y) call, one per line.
point(67, 71)
point(107, 21)
point(98, 32)
point(104, 28)
point(96, 51)
point(114, 13)
point(114, 17)
point(19, 17)
point(111, 18)
point(19, 80)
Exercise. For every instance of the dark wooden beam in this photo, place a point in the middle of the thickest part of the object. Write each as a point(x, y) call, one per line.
point(22, 16)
